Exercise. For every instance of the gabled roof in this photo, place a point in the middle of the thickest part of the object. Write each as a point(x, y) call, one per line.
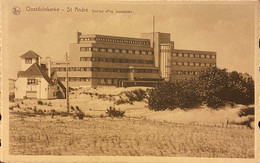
point(30, 54)
point(35, 71)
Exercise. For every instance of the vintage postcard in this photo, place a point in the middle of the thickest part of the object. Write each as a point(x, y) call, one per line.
point(130, 81)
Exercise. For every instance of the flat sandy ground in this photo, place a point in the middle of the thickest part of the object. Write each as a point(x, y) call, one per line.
point(200, 132)
point(126, 137)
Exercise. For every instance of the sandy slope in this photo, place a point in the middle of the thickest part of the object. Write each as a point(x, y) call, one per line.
point(95, 102)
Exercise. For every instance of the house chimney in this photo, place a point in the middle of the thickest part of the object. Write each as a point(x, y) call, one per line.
point(49, 66)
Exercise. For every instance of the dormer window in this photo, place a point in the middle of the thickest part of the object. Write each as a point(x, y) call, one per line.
point(28, 60)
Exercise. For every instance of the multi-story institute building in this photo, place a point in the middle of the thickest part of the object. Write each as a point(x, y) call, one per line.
point(123, 61)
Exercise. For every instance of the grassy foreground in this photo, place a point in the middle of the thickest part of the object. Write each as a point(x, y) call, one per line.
point(43, 135)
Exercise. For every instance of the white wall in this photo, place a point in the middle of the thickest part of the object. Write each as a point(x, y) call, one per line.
point(44, 91)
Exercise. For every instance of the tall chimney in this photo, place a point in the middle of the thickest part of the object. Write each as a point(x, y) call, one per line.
point(49, 66)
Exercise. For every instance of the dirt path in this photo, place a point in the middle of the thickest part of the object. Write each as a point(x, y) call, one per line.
point(126, 137)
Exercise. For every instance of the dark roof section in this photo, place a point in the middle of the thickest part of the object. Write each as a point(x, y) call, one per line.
point(30, 54)
point(35, 71)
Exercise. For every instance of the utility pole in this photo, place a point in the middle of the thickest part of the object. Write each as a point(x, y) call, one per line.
point(67, 89)
point(153, 30)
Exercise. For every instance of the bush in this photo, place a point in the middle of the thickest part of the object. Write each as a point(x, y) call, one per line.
point(49, 104)
point(40, 102)
point(11, 97)
point(136, 95)
point(72, 108)
point(246, 111)
point(215, 87)
point(39, 112)
point(112, 112)
point(11, 107)
point(168, 95)
point(60, 95)
point(121, 101)
point(248, 122)
point(80, 114)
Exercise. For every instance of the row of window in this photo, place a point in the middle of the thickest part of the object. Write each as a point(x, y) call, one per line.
point(94, 69)
point(97, 59)
point(75, 79)
point(111, 50)
point(115, 40)
point(186, 72)
point(107, 81)
point(193, 64)
point(193, 55)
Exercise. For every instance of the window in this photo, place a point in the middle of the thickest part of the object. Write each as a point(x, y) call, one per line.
point(96, 49)
point(144, 52)
point(179, 63)
point(28, 60)
point(192, 55)
point(174, 63)
point(207, 56)
point(185, 55)
point(116, 50)
point(102, 81)
point(111, 50)
point(213, 56)
point(32, 82)
point(185, 63)
point(103, 49)
point(109, 81)
point(197, 55)
point(124, 51)
point(130, 51)
point(197, 64)
point(180, 54)
point(191, 64)
point(137, 52)
point(150, 53)
point(202, 56)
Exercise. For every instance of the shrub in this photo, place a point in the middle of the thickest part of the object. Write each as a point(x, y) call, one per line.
point(80, 115)
point(39, 112)
point(63, 114)
point(77, 108)
point(136, 95)
point(112, 112)
point(247, 122)
point(121, 101)
point(246, 111)
point(72, 108)
point(40, 102)
point(11, 97)
point(181, 94)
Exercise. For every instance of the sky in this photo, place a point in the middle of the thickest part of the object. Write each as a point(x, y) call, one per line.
point(225, 28)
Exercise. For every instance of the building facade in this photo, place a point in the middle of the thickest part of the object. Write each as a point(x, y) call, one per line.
point(97, 60)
